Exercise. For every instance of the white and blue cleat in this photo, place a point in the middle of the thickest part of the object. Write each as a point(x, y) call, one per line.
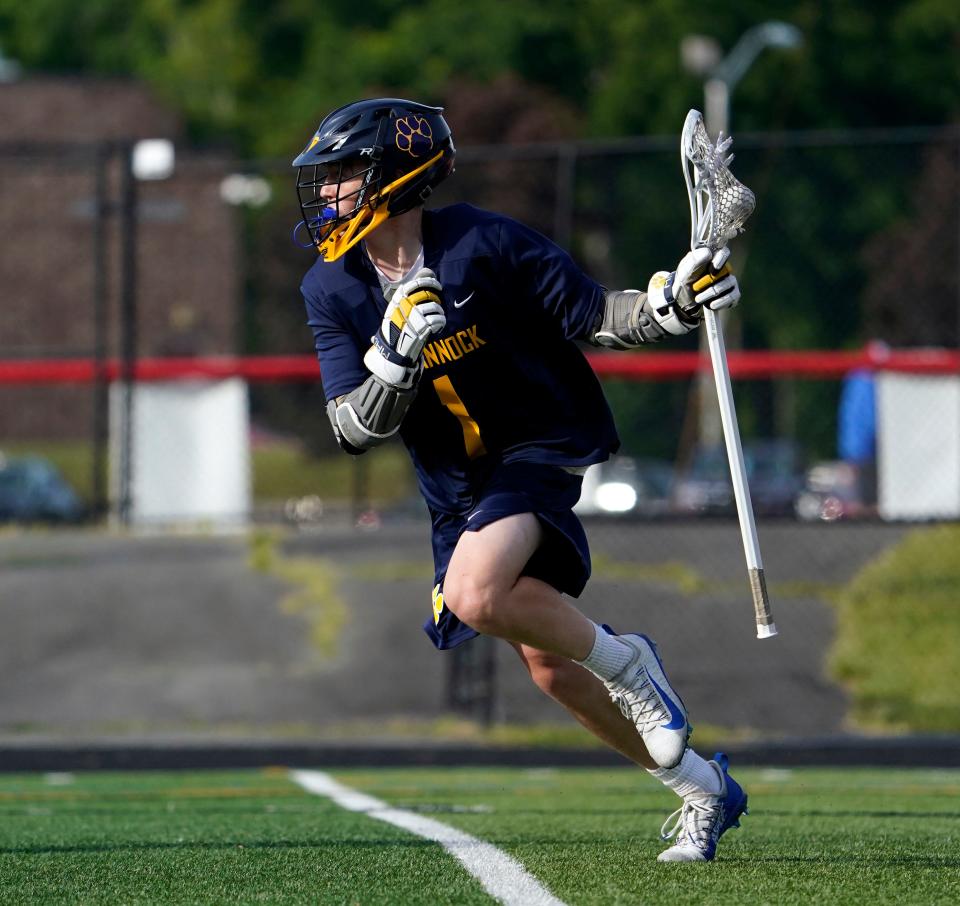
point(646, 698)
point(700, 823)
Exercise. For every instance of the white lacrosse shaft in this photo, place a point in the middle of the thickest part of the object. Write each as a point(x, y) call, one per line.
point(719, 206)
point(766, 628)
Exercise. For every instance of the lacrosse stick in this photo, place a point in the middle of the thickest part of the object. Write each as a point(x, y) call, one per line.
point(719, 207)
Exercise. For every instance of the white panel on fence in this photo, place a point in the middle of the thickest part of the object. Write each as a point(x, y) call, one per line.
point(190, 458)
point(918, 428)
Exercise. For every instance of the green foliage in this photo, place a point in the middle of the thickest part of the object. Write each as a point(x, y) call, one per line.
point(282, 470)
point(60, 37)
point(264, 72)
point(898, 634)
point(649, 416)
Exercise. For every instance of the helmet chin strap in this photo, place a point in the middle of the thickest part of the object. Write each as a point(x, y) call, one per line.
point(368, 218)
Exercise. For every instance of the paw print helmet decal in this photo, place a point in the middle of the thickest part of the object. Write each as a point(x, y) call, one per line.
point(383, 156)
point(414, 135)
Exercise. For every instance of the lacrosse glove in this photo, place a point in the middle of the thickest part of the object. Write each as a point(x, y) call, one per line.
point(413, 315)
point(702, 280)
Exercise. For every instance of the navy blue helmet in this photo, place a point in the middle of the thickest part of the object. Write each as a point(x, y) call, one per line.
point(368, 161)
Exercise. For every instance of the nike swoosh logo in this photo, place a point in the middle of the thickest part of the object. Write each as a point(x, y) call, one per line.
point(678, 721)
point(463, 302)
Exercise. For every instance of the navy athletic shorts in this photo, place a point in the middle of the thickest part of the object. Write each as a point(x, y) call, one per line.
point(563, 558)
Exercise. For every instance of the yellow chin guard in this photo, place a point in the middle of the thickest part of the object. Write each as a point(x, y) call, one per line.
point(367, 219)
point(351, 233)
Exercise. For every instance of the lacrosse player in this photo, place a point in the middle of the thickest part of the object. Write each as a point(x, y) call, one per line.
point(455, 328)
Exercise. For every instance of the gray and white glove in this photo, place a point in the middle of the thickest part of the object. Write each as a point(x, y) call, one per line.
point(702, 280)
point(414, 314)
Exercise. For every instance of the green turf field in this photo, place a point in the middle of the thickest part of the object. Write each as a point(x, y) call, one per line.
point(590, 836)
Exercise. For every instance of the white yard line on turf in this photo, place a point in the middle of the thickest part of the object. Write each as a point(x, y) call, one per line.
point(501, 876)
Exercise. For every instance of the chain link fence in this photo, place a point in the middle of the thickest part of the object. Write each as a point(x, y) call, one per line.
point(855, 241)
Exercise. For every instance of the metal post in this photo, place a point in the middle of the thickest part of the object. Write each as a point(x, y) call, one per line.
point(128, 318)
point(716, 106)
point(472, 680)
point(100, 283)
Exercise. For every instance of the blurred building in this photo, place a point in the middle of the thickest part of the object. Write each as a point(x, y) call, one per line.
point(53, 133)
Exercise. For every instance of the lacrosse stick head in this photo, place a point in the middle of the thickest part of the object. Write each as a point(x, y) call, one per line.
point(719, 203)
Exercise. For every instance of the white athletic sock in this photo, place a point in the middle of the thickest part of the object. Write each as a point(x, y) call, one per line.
point(608, 656)
point(693, 778)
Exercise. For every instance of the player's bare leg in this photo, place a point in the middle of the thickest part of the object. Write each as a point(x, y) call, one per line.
point(484, 587)
point(587, 699)
point(712, 800)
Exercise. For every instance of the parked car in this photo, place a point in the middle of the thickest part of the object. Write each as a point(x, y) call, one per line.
point(626, 486)
point(774, 472)
point(33, 490)
point(832, 491)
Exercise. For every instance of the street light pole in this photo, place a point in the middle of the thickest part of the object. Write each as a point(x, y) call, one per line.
point(716, 110)
point(701, 55)
point(724, 77)
point(716, 106)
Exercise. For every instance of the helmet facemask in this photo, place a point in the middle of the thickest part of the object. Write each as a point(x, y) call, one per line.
point(337, 219)
point(333, 233)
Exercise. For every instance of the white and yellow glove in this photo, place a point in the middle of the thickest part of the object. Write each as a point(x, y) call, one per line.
point(414, 314)
point(702, 280)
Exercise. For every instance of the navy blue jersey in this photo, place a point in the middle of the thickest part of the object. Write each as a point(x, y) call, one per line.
point(505, 378)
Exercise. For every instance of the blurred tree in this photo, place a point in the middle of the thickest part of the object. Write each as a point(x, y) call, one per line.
point(259, 71)
point(56, 37)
